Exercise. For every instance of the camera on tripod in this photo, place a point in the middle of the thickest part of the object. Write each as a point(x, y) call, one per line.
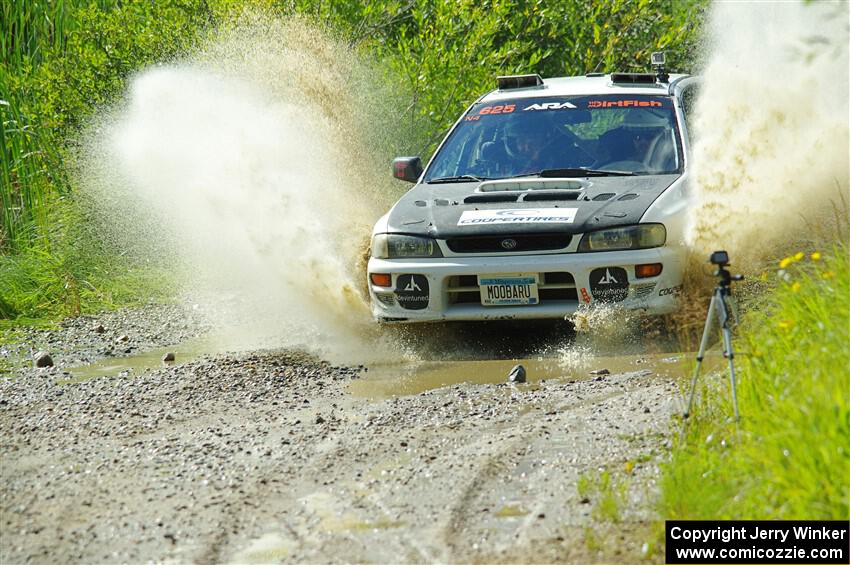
point(721, 309)
point(721, 259)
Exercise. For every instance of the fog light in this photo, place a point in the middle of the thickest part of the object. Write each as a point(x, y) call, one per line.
point(381, 279)
point(648, 270)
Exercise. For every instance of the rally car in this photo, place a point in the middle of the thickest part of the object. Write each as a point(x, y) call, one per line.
point(544, 196)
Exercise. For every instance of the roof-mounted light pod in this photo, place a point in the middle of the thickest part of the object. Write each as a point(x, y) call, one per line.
point(658, 60)
point(519, 81)
point(632, 78)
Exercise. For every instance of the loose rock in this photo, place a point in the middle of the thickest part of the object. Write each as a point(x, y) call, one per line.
point(43, 359)
point(517, 374)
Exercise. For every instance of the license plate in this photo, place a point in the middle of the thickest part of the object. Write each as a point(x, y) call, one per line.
point(508, 290)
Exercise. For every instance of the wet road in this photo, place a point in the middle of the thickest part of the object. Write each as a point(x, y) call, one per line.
point(274, 456)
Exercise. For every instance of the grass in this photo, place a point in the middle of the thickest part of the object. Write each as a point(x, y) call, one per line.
point(607, 494)
point(30, 163)
point(62, 60)
point(789, 458)
point(31, 171)
point(70, 268)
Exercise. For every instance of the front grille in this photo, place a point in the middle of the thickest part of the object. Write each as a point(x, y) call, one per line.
point(553, 287)
point(490, 244)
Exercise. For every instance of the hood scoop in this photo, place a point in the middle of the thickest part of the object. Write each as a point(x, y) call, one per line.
point(522, 185)
point(527, 190)
point(522, 197)
point(550, 196)
point(484, 198)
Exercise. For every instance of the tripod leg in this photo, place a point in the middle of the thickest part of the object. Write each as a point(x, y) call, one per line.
point(709, 319)
point(727, 349)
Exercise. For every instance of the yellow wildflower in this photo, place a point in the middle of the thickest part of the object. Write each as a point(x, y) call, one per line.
point(799, 255)
point(827, 275)
point(816, 256)
point(785, 324)
point(795, 287)
point(785, 262)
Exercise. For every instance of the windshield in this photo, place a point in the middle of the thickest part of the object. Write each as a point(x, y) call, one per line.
point(624, 133)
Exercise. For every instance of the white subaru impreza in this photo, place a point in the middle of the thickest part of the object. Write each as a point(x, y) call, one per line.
point(545, 195)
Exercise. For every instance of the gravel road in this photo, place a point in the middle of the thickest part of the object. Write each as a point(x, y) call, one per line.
point(267, 456)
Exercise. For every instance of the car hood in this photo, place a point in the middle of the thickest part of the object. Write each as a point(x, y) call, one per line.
point(544, 205)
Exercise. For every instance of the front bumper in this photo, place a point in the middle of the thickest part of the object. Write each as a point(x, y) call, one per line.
point(451, 292)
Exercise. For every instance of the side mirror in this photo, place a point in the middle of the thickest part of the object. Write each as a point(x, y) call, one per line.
point(407, 168)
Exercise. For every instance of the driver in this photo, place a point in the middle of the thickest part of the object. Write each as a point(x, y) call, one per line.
point(533, 144)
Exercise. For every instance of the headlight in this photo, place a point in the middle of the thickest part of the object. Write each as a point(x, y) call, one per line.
point(629, 237)
point(392, 246)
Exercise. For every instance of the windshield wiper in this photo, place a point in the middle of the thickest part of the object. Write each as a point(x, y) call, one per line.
point(574, 172)
point(460, 178)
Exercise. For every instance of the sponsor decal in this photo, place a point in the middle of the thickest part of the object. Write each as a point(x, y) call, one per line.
point(508, 244)
point(669, 291)
point(624, 104)
point(609, 284)
point(518, 216)
point(472, 118)
point(412, 292)
point(643, 291)
point(585, 297)
point(549, 106)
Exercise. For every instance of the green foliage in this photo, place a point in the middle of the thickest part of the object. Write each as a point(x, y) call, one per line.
point(790, 458)
point(62, 61)
point(450, 52)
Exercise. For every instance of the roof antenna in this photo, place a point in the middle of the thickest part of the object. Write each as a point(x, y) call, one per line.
point(658, 61)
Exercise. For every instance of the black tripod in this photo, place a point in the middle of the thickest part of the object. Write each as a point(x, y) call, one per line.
point(722, 306)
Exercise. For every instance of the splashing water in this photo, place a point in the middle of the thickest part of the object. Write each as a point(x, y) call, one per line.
point(247, 166)
point(771, 156)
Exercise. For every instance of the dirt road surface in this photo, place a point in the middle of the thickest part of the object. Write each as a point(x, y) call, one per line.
point(271, 456)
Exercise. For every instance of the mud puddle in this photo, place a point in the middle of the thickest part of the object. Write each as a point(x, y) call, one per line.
point(386, 381)
point(143, 362)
